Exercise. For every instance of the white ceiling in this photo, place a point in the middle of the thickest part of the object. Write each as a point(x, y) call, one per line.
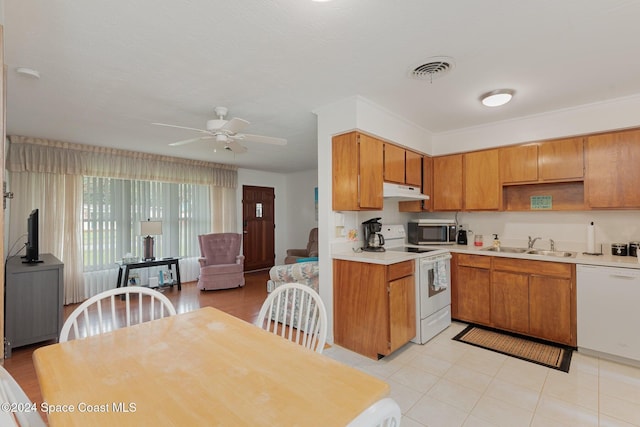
point(110, 69)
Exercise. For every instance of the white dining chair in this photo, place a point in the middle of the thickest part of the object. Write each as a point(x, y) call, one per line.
point(384, 413)
point(17, 409)
point(106, 311)
point(295, 312)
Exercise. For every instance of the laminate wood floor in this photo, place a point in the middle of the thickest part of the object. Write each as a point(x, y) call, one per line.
point(243, 303)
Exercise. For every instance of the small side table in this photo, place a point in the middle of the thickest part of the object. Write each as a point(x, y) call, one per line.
point(169, 262)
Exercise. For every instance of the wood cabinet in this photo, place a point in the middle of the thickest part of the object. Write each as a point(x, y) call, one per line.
point(613, 170)
point(535, 298)
point(426, 172)
point(473, 288)
point(557, 160)
point(374, 306)
point(402, 166)
point(357, 163)
point(447, 183)
point(482, 180)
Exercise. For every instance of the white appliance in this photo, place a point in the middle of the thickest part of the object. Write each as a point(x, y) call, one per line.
point(433, 283)
point(432, 231)
point(402, 192)
point(607, 310)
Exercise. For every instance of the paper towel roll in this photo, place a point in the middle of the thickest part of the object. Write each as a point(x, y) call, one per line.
point(591, 238)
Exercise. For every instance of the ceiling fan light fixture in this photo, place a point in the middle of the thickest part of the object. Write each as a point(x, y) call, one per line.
point(496, 98)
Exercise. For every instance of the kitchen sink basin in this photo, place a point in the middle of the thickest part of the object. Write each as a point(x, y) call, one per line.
point(512, 250)
point(561, 254)
point(506, 249)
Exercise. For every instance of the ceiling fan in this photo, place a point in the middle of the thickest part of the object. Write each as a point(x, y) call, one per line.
point(226, 133)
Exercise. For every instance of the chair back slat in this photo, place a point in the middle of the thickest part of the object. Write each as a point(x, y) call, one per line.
point(91, 318)
point(295, 312)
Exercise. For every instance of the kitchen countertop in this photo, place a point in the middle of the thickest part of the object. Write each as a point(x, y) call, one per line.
point(392, 257)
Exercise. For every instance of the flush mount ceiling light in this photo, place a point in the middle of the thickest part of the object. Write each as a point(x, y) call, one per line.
point(496, 98)
point(29, 72)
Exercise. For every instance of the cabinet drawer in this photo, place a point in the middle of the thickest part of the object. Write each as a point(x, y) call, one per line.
point(400, 269)
point(540, 268)
point(479, 261)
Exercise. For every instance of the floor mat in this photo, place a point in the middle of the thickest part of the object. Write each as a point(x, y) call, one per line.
point(546, 354)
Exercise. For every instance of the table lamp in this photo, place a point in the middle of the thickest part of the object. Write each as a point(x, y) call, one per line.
point(150, 228)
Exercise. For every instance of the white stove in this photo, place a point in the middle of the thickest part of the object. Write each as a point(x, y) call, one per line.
point(433, 283)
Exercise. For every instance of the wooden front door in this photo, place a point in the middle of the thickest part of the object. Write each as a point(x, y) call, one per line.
point(258, 226)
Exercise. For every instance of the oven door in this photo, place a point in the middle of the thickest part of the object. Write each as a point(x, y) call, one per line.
point(434, 284)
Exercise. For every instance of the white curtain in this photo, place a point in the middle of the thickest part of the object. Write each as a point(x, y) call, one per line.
point(50, 174)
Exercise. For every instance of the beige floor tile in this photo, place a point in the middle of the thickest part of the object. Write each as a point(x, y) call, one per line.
point(447, 350)
point(607, 421)
point(623, 410)
point(566, 413)
point(481, 360)
point(500, 413)
point(468, 378)
point(405, 396)
point(472, 421)
point(585, 363)
point(409, 422)
point(455, 395)
point(577, 387)
point(516, 395)
point(415, 378)
point(434, 413)
point(522, 373)
point(431, 364)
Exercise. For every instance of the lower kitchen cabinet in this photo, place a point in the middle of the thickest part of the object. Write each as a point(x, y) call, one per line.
point(529, 297)
point(374, 306)
point(472, 288)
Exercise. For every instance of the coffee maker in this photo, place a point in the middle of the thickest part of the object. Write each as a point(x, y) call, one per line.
point(373, 240)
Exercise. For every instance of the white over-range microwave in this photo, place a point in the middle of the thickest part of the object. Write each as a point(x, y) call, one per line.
point(432, 232)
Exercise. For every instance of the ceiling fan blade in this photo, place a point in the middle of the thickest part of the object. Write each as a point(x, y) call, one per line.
point(180, 127)
point(234, 125)
point(236, 147)
point(263, 139)
point(188, 141)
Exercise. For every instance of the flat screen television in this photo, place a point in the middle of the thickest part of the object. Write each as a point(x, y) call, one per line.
point(32, 255)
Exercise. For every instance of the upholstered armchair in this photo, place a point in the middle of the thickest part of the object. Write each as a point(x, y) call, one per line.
point(221, 263)
point(310, 251)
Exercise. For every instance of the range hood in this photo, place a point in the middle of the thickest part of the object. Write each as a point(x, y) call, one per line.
point(402, 192)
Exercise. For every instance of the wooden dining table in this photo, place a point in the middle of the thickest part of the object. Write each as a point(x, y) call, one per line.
point(201, 368)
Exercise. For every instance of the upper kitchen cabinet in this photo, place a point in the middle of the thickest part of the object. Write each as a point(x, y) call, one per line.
point(558, 160)
point(426, 172)
point(481, 180)
point(357, 172)
point(613, 170)
point(402, 166)
point(447, 183)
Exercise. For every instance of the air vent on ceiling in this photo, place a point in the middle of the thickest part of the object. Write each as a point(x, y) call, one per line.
point(434, 68)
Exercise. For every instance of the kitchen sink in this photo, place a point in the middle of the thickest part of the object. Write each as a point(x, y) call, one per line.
point(561, 254)
point(506, 249)
point(512, 250)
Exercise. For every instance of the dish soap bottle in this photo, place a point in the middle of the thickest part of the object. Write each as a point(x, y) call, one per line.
point(496, 241)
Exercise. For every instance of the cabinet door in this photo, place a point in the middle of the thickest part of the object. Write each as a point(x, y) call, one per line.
point(550, 309)
point(371, 158)
point(474, 295)
point(345, 172)
point(613, 170)
point(394, 163)
point(402, 312)
point(510, 301)
point(413, 169)
point(519, 164)
point(482, 182)
point(561, 159)
point(447, 183)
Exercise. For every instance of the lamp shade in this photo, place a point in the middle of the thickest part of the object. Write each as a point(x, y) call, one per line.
point(150, 228)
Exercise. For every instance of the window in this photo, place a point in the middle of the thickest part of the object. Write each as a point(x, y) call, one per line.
point(113, 209)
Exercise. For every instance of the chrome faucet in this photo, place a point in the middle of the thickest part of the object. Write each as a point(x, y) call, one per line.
point(552, 245)
point(532, 241)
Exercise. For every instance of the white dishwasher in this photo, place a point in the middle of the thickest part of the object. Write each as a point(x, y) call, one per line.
point(608, 302)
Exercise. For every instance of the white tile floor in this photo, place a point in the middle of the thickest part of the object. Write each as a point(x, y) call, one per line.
point(447, 383)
